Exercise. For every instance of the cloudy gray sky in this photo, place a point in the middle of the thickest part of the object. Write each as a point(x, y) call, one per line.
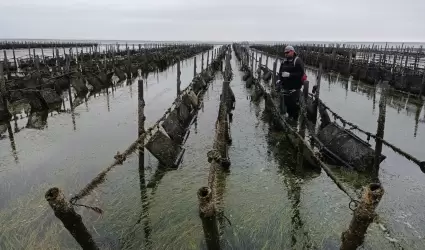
point(219, 20)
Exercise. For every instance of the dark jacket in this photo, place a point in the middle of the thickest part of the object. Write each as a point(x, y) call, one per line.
point(296, 71)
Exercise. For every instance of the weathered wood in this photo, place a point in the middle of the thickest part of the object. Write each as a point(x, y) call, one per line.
point(363, 216)
point(72, 221)
point(6, 64)
point(141, 110)
point(178, 78)
point(380, 129)
point(202, 62)
point(194, 66)
point(207, 213)
point(42, 54)
point(14, 59)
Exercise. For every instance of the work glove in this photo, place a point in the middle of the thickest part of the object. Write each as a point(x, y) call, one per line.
point(285, 74)
point(278, 86)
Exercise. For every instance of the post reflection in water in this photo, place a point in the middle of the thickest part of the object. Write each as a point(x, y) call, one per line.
point(107, 99)
point(144, 200)
point(417, 115)
point(12, 142)
point(295, 171)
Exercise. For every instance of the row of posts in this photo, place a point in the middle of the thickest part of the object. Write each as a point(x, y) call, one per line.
point(65, 211)
point(364, 213)
point(207, 196)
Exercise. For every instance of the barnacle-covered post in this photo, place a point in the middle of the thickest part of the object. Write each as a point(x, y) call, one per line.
point(72, 221)
point(362, 217)
point(207, 212)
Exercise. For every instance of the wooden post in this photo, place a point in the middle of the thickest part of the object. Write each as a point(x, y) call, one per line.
point(29, 52)
point(71, 220)
point(67, 66)
point(363, 216)
point(407, 58)
point(141, 108)
point(57, 56)
point(128, 65)
point(380, 129)
point(3, 88)
point(208, 216)
point(350, 61)
point(317, 95)
point(14, 59)
point(6, 64)
point(252, 63)
point(423, 84)
point(194, 67)
point(178, 78)
point(274, 78)
point(202, 62)
point(42, 54)
point(37, 65)
point(208, 58)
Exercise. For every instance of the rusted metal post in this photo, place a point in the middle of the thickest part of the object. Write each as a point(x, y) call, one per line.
point(207, 214)
point(178, 78)
point(380, 129)
point(71, 220)
point(362, 217)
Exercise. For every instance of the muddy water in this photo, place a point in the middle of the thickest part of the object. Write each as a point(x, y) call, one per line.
point(403, 181)
point(69, 155)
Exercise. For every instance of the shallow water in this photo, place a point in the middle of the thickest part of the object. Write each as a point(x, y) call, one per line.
point(405, 128)
point(68, 155)
point(270, 201)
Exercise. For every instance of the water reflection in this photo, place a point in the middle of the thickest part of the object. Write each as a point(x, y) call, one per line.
point(144, 201)
point(295, 171)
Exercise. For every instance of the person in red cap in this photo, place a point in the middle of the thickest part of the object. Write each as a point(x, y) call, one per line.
point(291, 78)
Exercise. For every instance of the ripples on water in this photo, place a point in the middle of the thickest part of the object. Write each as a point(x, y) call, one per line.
point(271, 200)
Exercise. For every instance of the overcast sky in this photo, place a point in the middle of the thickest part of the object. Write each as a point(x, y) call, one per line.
point(219, 20)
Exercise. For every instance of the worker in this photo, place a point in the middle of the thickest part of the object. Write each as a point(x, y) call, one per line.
point(291, 77)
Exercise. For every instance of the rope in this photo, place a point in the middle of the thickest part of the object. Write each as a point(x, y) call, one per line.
point(353, 126)
point(315, 157)
point(120, 158)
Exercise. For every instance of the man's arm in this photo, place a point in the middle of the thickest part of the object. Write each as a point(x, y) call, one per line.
point(279, 75)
